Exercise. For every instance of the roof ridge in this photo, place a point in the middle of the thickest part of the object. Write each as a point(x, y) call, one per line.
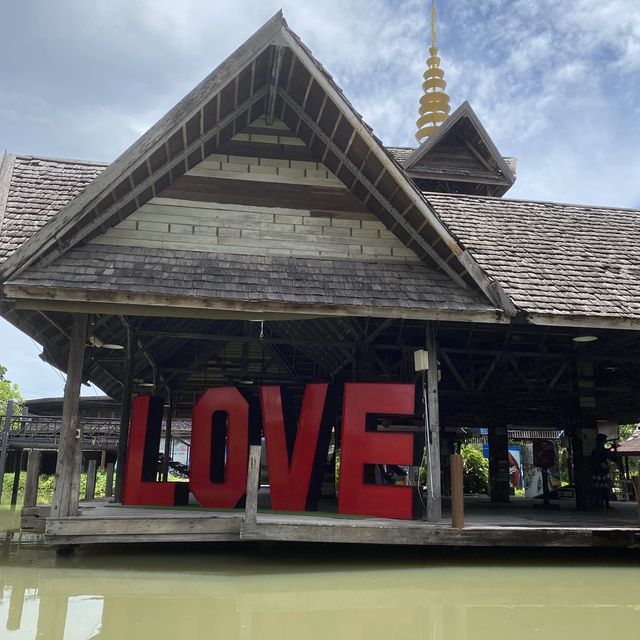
point(428, 194)
point(91, 163)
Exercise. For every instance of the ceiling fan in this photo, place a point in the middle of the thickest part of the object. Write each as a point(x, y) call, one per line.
point(95, 342)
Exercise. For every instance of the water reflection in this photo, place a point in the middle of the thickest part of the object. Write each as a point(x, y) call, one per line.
point(323, 592)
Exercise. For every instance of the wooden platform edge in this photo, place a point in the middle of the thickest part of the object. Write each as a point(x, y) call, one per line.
point(60, 540)
point(445, 536)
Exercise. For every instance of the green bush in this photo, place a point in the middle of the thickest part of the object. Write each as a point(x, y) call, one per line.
point(45, 486)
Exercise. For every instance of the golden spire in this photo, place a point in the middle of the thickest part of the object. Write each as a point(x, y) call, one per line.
point(434, 104)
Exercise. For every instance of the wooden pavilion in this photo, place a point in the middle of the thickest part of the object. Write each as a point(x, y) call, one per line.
point(260, 233)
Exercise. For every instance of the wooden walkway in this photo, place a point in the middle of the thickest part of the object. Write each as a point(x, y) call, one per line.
point(511, 526)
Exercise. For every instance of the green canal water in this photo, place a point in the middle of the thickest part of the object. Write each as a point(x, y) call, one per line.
point(282, 592)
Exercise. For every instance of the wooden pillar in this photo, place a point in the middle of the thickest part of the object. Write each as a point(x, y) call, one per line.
point(499, 485)
point(4, 444)
point(33, 475)
point(103, 459)
point(66, 494)
point(434, 492)
point(16, 478)
point(584, 432)
point(125, 411)
point(253, 485)
point(457, 492)
point(90, 488)
point(636, 487)
point(108, 485)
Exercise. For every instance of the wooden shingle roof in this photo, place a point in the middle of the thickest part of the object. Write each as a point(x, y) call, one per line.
point(38, 188)
point(553, 260)
point(232, 282)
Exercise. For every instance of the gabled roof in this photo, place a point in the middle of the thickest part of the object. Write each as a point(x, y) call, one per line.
point(273, 73)
point(559, 263)
point(461, 151)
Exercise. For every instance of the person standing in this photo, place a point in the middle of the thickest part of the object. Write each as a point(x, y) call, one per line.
point(600, 458)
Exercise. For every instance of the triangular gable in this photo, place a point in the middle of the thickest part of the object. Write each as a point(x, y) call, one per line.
point(272, 74)
point(461, 151)
point(262, 193)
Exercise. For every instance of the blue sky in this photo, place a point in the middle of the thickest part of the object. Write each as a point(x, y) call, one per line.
point(555, 82)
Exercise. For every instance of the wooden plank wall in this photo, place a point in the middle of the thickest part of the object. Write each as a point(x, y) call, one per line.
point(260, 204)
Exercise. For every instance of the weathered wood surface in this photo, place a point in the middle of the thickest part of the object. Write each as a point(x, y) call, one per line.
point(33, 474)
point(90, 488)
point(253, 485)
point(67, 481)
point(457, 492)
point(389, 533)
point(145, 304)
point(103, 523)
point(108, 487)
point(434, 492)
point(125, 409)
point(4, 442)
point(144, 526)
point(266, 226)
point(16, 477)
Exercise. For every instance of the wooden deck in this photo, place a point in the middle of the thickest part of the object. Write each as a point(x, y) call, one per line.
point(486, 525)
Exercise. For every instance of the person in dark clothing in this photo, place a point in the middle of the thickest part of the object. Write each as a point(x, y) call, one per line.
point(600, 457)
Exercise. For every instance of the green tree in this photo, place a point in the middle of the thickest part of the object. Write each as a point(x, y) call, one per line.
point(9, 391)
point(476, 469)
point(626, 430)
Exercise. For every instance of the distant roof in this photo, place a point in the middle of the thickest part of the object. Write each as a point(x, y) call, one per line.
point(552, 259)
point(402, 154)
point(630, 447)
point(39, 188)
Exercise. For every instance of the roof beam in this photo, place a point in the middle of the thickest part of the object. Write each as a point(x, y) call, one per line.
point(397, 216)
point(273, 85)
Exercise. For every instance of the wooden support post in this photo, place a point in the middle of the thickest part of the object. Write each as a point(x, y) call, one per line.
point(108, 486)
point(499, 484)
point(16, 478)
point(457, 492)
point(66, 494)
point(584, 433)
point(103, 459)
point(4, 445)
point(636, 486)
point(434, 492)
point(92, 471)
point(253, 485)
point(33, 475)
point(125, 410)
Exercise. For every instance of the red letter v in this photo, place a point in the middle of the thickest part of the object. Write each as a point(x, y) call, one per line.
point(295, 481)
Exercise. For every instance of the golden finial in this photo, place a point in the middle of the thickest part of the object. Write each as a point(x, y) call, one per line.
point(434, 104)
